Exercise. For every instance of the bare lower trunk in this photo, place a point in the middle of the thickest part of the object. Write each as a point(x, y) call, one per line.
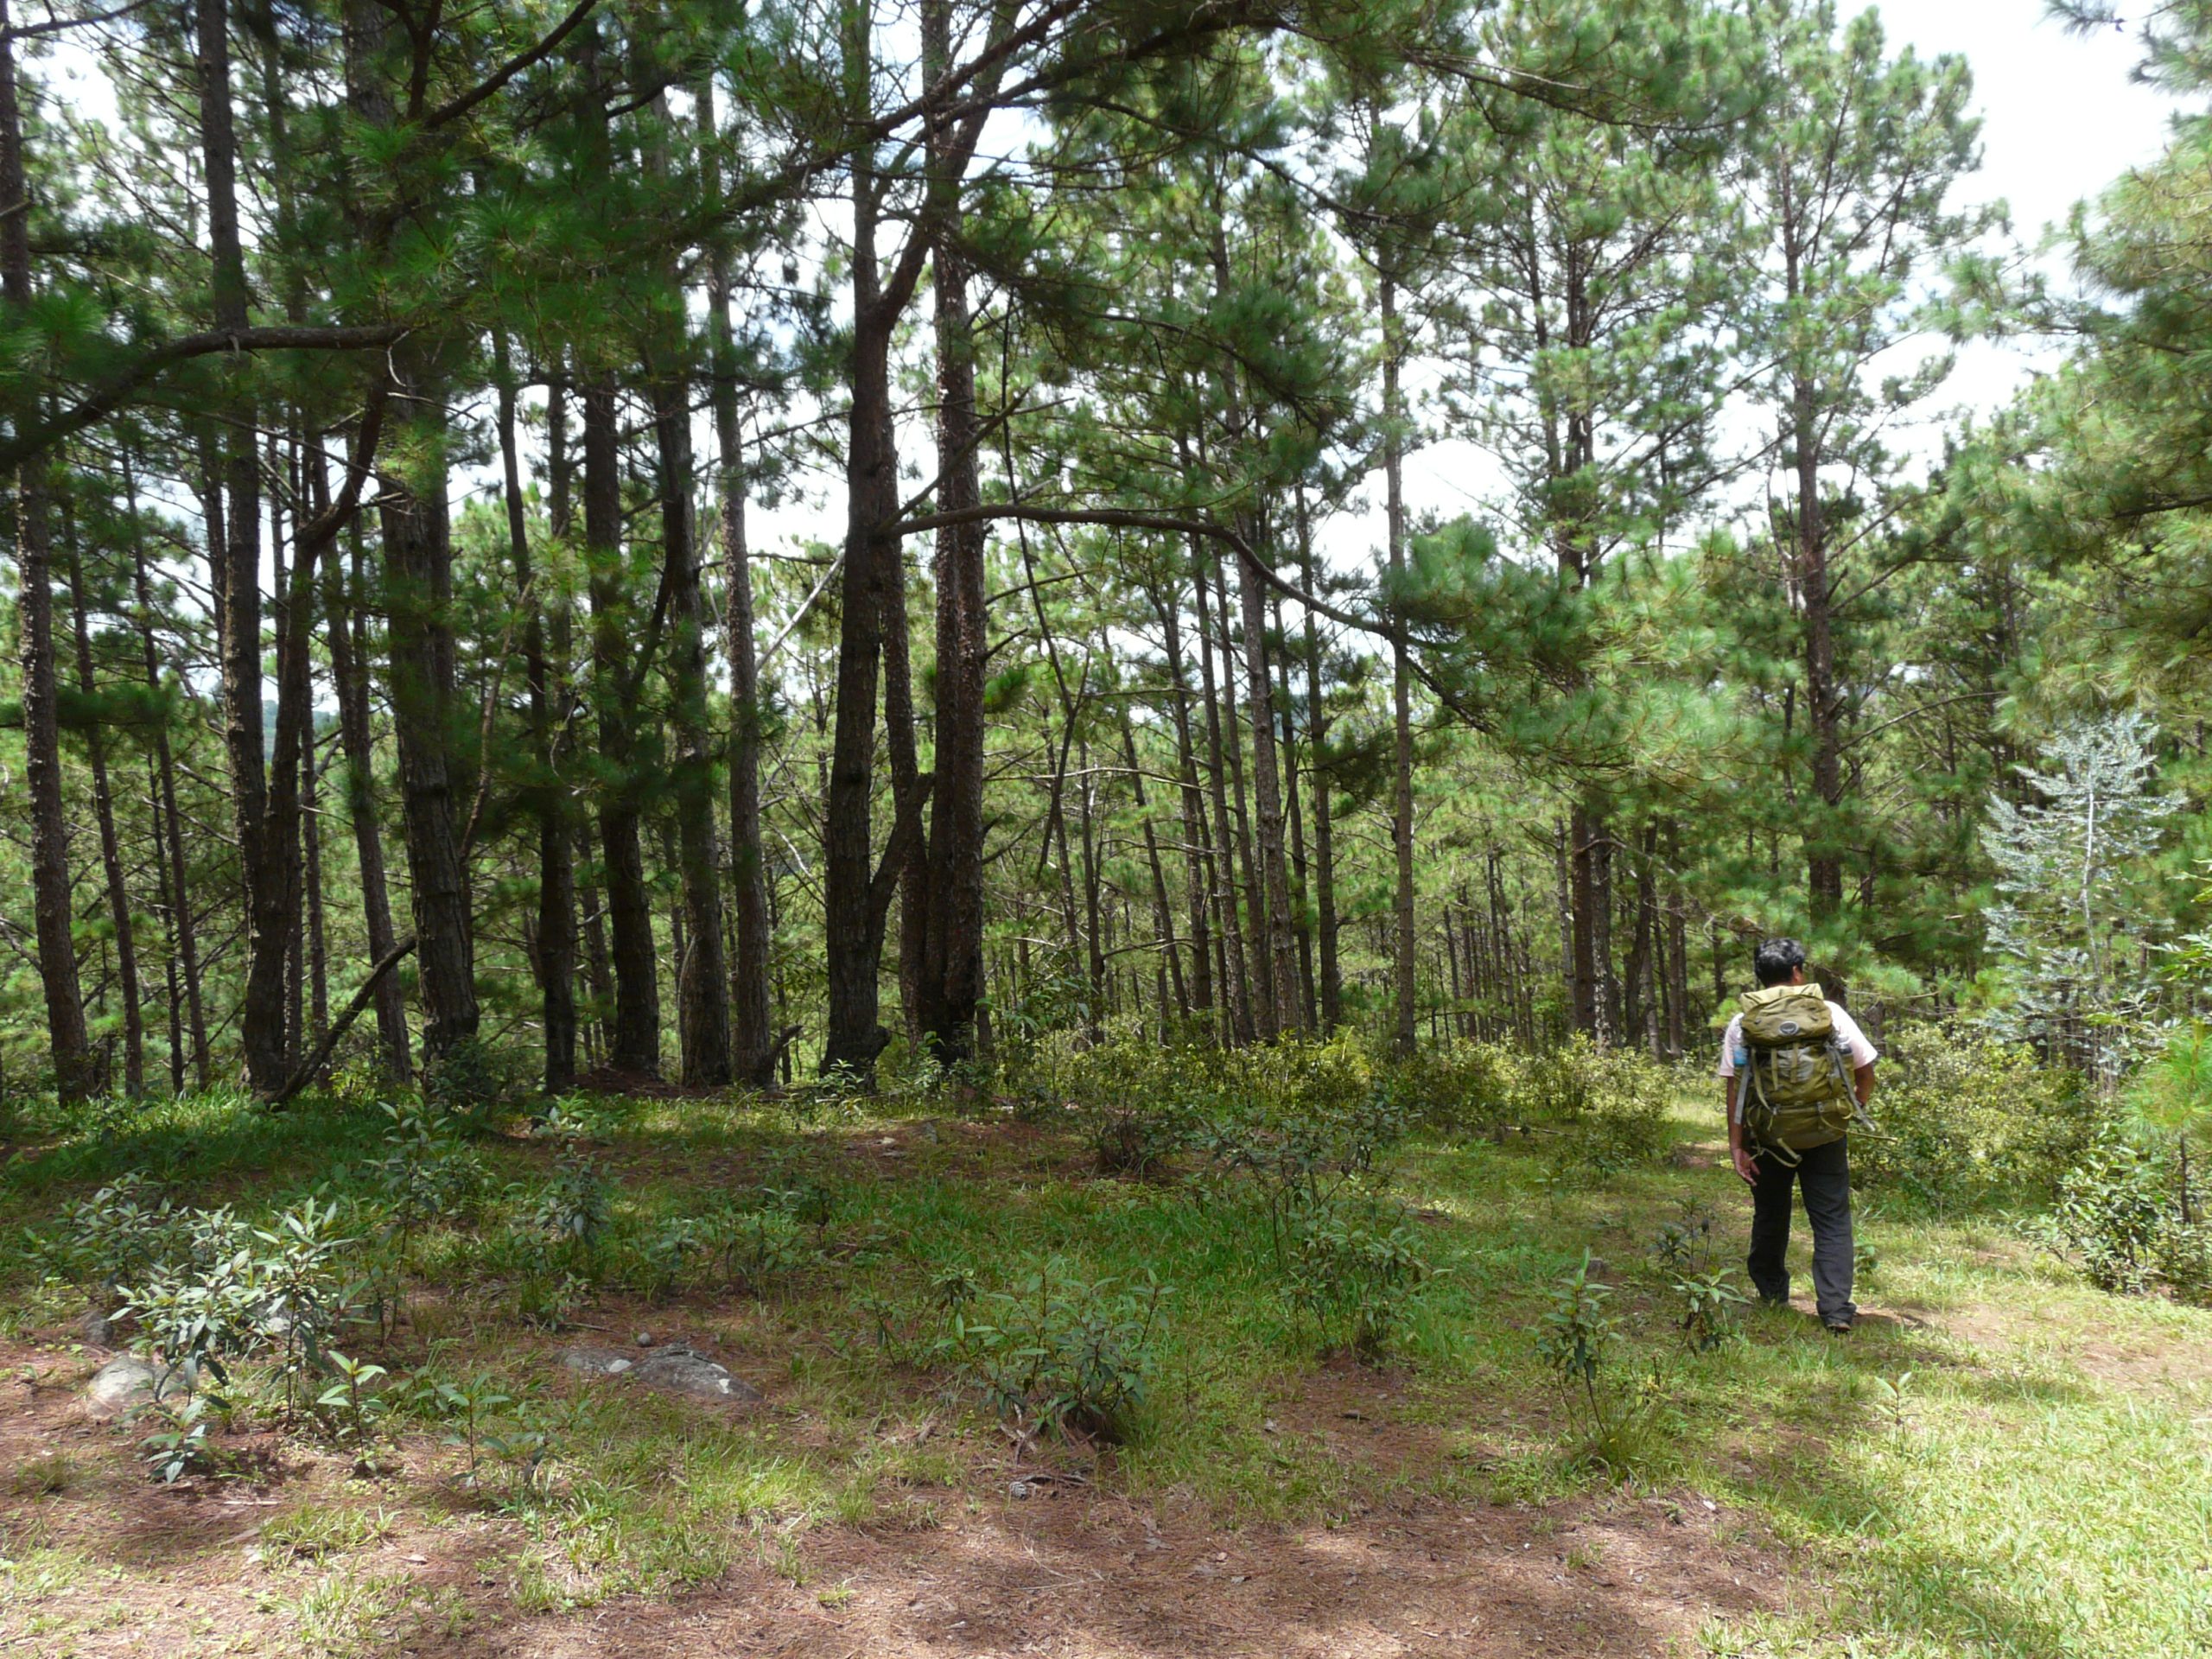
point(1197, 849)
point(752, 1039)
point(1325, 855)
point(347, 640)
point(634, 1042)
point(69, 1045)
point(555, 938)
point(418, 582)
point(1237, 994)
point(1401, 800)
point(950, 977)
point(1284, 1002)
point(118, 896)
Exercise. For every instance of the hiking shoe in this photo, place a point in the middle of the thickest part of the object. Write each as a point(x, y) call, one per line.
point(1837, 1327)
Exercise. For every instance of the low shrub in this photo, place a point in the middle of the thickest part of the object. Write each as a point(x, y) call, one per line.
point(1355, 1268)
point(1616, 1418)
point(1610, 1105)
point(1961, 1118)
point(1688, 1256)
point(2120, 1215)
point(1461, 1088)
point(1136, 1100)
point(1064, 1353)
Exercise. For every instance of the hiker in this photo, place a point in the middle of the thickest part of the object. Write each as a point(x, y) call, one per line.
point(1798, 1072)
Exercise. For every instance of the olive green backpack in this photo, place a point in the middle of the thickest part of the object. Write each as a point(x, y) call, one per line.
point(1795, 1088)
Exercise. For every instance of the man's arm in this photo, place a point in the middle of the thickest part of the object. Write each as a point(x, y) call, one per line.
point(1863, 1077)
point(1742, 1157)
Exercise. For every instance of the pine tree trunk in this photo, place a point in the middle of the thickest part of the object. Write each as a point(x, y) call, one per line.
point(418, 584)
point(555, 942)
point(751, 1040)
point(237, 580)
point(1093, 887)
point(1162, 917)
point(633, 1044)
point(347, 640)
point(704, 981)
point(1301, 886)
point(417, 548)
point(951, 959)
point(68, 1044)
point(118, 896)
point(1262, 980)
point(1325, 857)
point(1823, 851)
point(561, 834)
point(1237, 998)
point(1267, 792)
point(1678, 971)
point(1198, 850)
point(318, 954)
point(1402, 808)
point(856, 895)
point(176, 888)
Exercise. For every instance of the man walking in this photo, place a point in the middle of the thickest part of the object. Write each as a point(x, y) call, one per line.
point(1797, 1070)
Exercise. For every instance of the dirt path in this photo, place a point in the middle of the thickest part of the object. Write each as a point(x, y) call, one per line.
point(104, 1562)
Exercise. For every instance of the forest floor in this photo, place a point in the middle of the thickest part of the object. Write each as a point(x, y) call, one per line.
point(1998, 1461)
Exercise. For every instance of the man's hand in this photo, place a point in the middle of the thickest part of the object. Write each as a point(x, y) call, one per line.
point(1747, 1165)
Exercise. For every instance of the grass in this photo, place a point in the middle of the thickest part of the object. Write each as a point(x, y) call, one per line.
point(2011, 1464)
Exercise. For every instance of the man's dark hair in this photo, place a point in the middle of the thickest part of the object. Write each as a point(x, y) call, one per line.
point(1774, 961)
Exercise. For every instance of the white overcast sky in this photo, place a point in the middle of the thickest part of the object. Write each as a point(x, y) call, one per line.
point(2061, 120)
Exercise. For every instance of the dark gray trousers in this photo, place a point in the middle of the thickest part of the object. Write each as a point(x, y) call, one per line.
point(1824, 1176)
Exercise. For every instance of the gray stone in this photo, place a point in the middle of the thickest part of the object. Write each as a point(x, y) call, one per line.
point(596, 1362)
point(119, 1388)
point(686, 1371)
point(674, 1368)
point(95, 1329)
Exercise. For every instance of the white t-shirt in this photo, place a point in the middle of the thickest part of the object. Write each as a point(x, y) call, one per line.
point(1856, 1048)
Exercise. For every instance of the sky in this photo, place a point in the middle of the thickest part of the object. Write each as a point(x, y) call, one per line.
point(2061, 120)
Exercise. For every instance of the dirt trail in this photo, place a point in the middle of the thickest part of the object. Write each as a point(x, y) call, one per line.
point(1070, 1570)
point(1102, 1578)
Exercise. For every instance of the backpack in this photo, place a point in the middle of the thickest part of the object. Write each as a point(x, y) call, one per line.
point(1796, 1090)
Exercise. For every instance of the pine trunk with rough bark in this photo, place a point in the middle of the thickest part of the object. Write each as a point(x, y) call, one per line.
point(1284, 1002)
point(1404, 1034)
point(753, 1040)
point(348, 643)
point(556, 950)
point(69, 1044)
point(118, 894)
point(950, 977)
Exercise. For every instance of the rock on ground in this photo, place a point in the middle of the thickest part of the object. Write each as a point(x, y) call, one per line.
point(675, 1370)
point(119, 1388)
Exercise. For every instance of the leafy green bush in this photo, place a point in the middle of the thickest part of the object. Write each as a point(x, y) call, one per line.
point(1610, 1105)
point(1688, 1254)
point(425, 1175)
point(1616, 1418)
point(575, 1204)
point(1460, 1088)
point(2120, 1214)
point(1355, 1268)
point(112, 1239)
point(234, 1290)
point(471, 1084)
point(1067, 1354)
point(1961, 1118)
point(1136, 1100)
